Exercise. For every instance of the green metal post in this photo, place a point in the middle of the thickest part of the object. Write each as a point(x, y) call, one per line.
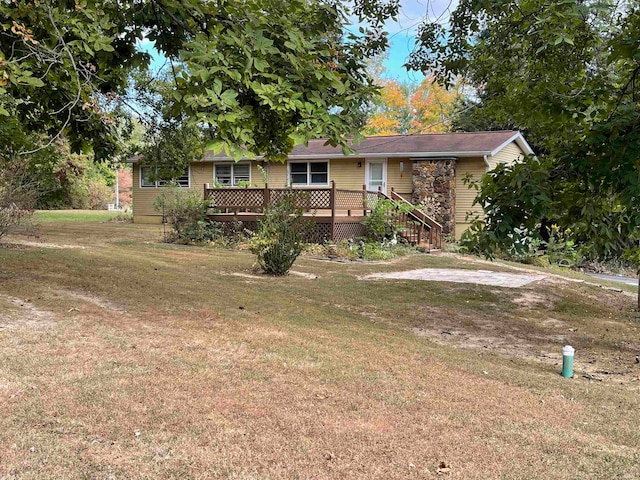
point(567, 361)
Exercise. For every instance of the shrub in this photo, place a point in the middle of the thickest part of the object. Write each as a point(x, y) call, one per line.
point(378, 223)
point(12, 217)
point(186, 212)
point(17, 198)
point(279, 238)
point(561, 249)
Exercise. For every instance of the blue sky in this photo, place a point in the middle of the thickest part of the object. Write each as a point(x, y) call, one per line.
point(402, 35)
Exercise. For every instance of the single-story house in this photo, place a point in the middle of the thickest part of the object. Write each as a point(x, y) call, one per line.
point(427, 169)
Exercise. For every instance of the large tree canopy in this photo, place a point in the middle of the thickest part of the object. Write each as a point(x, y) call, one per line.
point(567, 72)
point(259, 74)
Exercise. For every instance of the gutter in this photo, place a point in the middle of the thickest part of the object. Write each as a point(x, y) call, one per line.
point(329, 156)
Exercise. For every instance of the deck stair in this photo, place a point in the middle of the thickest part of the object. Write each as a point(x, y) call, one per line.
point(417, 228)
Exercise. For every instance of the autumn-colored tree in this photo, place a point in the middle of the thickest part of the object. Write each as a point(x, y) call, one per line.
point(392, 114)
point(408, 108)
point(433, 106)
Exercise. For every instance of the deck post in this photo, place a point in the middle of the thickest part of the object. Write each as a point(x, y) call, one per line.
point(332, 202)
point(266, 199)
point(206, 187)
point(364, 200)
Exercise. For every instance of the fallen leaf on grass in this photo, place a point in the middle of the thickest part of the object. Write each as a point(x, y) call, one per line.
point(443, 468)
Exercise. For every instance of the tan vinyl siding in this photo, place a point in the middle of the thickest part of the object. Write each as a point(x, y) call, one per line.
point(400, 182)
point(346, 173)
point(256, 176)
point(509, 154)
point(277, 174)
point(201, 173)
point(144, 197)
point(465, 195)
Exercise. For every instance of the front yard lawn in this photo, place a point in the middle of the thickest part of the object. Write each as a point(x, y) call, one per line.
point(123, 357)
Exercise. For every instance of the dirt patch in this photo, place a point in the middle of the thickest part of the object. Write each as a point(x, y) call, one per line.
point(25, 243)
point(244, 275)
point(16, 313)
point(531, 300)
point(309, 276)
point(95, 300)
point(262, 276)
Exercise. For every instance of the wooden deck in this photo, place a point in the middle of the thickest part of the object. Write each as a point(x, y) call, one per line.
point(337, 213)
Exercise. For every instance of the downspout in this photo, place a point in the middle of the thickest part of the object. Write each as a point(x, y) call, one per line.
point(486, 161)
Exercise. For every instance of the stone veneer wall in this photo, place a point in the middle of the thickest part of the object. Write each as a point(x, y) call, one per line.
point(434, 190)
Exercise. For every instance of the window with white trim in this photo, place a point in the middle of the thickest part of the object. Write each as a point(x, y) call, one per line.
point(146, 179)
point(231, 174)
point(308, 173)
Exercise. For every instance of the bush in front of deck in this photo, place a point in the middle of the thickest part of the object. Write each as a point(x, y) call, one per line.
point(279, 239)
point(377, 224)
point(186, 211)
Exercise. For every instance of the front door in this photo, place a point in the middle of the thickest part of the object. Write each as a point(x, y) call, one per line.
point(377, 175)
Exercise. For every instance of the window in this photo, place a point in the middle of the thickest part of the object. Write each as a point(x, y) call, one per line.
point(146, 181)
point(308, 173)
point(145, 177)
point(231, 174)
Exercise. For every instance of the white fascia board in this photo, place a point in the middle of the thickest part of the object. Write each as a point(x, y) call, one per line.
point(394, 155)
point(520, 141)
point(366, 155)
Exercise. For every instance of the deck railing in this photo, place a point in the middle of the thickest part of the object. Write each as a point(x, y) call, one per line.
point(419, 226)
point(233, 200)
point(329, 202)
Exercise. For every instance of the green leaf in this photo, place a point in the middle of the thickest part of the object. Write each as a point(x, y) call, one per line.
point(228, 97)
point(215, 145)
point(260, 64)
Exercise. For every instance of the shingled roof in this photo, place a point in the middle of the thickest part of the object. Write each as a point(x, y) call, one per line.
point(425, 145)
point(442, 143)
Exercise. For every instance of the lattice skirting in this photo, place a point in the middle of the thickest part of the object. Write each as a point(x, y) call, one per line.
point(342, 231)
point(320, 233)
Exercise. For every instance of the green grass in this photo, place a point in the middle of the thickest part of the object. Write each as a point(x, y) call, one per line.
point(64, 216)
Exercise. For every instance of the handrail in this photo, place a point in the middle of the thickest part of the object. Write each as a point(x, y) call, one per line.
point(433, 228)
point(417, 212)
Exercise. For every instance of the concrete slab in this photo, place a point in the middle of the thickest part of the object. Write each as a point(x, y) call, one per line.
point(479, 277)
